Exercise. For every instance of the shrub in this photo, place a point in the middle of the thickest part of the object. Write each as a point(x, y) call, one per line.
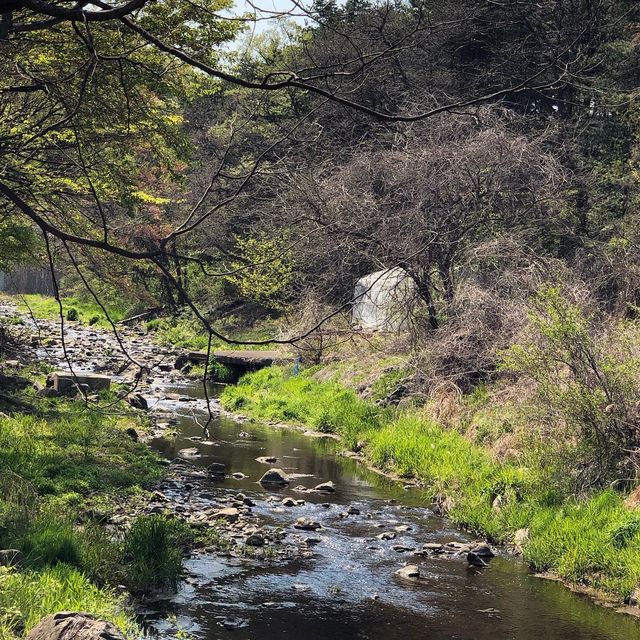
point(93, 320)
point(72, 314)
point(588, 385)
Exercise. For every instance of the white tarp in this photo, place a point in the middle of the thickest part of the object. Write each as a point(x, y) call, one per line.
point(384, 300)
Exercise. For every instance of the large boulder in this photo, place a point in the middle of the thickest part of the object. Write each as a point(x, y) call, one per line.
point(11, 558)
point(68, 625)
point(64, 381)
point(217, 470)
point(275, 476)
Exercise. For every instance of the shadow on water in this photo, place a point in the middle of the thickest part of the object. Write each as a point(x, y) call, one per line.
point(347, 589)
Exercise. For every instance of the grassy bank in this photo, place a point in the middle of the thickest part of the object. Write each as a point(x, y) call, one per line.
point(593, 541)
point(73, 308)
point(64, 471)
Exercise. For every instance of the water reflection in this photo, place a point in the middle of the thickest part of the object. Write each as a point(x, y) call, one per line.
point(347, 590)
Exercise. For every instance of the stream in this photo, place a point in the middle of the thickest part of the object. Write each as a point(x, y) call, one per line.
point(340, 582)
point(346, 587)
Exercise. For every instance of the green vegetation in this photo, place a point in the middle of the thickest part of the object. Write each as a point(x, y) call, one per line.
point(153, 548)
point(593, 541)
point(65, 470)
point(74, 308)
point(187, 333)
point(27, 596)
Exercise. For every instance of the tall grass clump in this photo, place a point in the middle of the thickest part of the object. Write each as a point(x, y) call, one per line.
point(594, 542)
point(153, 551)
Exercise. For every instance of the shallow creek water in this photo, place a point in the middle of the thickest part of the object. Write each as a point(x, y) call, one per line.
point(347, 589)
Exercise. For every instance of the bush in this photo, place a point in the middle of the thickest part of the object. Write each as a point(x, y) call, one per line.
point(153, 552)
point(72, 314)
point(93, 320)
point(588, 385)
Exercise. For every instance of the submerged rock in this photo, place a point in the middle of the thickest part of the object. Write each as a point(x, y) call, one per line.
point(275, 476)
point(189, 452)
point(267, 459)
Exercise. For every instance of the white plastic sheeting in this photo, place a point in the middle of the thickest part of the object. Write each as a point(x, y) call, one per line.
point(384, 300)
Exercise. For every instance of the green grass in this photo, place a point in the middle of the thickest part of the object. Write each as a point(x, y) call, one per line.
point(88, 312)
point(187, 333)
point(153, 550)
point(75, 450)
point(593, 541)
point(63, 470)
point(274, 394)
point(27, 596)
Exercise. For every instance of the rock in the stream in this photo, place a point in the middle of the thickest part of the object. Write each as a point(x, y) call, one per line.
point(387, 535)
point(403, 528)
point(410, 572)
point(216, 469)
point(306, 525)
point(401, 548)
point(189, 452)
point(230, 514)
point(475, 560)
point(353, 511)
point(275, 476)
point(267, 459)
point(254, 540)
point(325, 487)
point(483, 551)
point(11, 558)
point(238, 475)
point(289, 502)
point(74, 626)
